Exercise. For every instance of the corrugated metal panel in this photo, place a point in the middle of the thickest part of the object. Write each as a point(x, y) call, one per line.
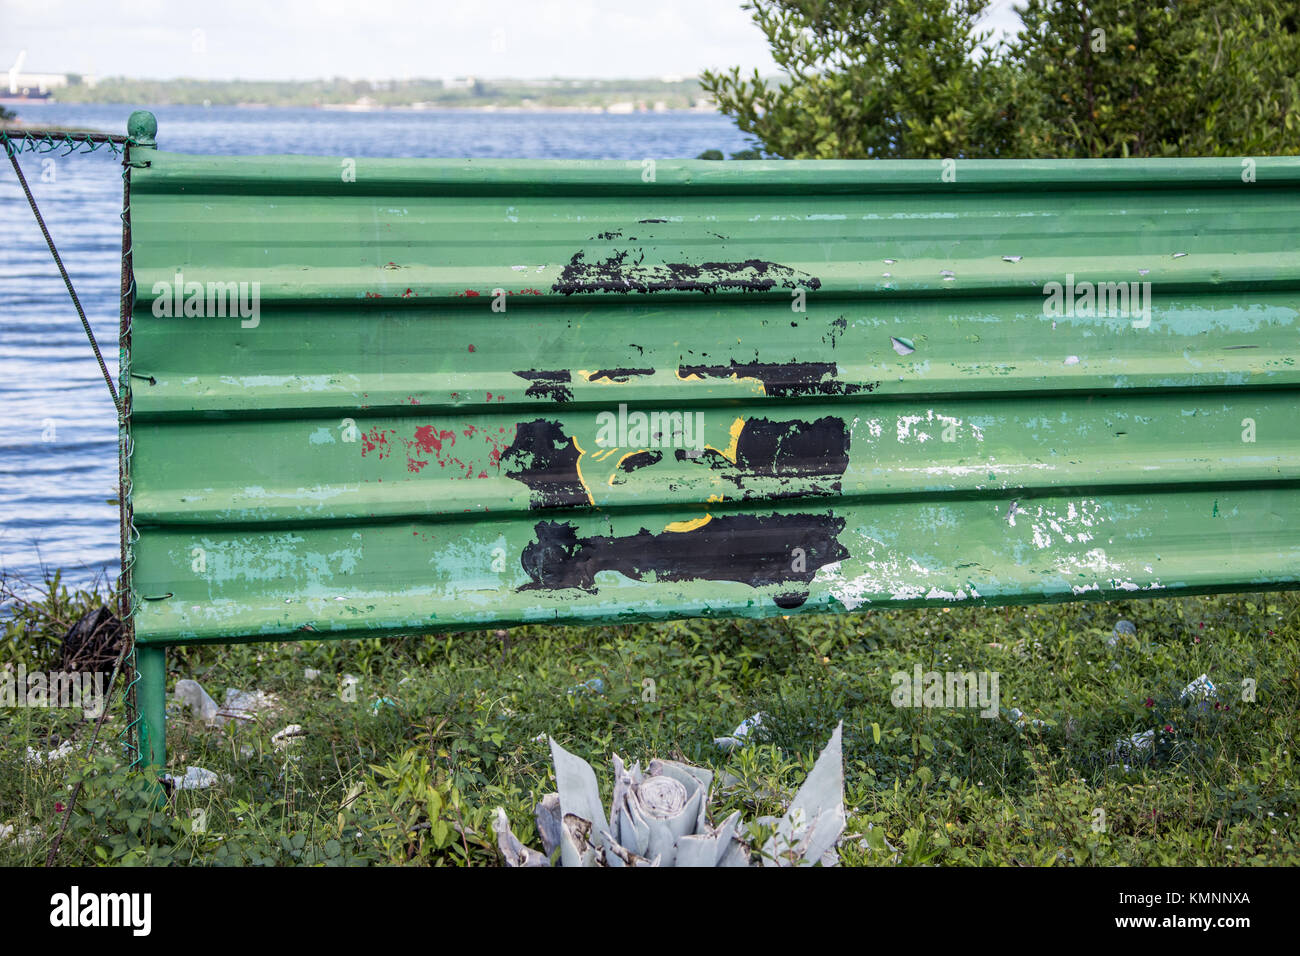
point(384, 451)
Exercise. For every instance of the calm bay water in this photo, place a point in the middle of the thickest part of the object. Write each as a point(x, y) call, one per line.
point(58, 446)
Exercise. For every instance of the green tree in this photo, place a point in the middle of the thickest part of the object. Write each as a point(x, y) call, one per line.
point(871, 79)
point(1182, 78)
point(918, 79)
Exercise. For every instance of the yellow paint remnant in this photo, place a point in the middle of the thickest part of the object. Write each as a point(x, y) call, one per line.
point(601, 381)
point(688, 525)
point(624, 458)
point(578, 467)
point(730, 453)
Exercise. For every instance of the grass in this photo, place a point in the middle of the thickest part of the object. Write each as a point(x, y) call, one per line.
point(443, 729)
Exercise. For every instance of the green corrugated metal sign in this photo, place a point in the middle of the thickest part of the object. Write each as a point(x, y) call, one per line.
point(381, 396)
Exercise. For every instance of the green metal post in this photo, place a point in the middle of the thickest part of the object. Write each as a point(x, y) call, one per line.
point(151, 696)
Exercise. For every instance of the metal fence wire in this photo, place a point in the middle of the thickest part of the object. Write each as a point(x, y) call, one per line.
point(67, 143)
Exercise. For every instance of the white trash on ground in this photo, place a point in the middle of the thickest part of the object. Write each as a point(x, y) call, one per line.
point(26, 838)
point(1122, 628)
point(195, 778)
point(1202, 689)
point(283, 739)
point(737, 737)
point(1136, 746)
point(240, 706)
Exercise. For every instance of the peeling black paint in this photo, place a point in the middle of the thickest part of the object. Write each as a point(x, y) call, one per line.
point(784, 450)
point(620, 375)
point(552, 385)
point(642, 459)
point(545, 459)
point(619, 273)
point(750, 549)
point(838, 326)
point(783, 379)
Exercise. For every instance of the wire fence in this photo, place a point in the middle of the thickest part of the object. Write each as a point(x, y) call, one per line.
point(60, 142)
point(19, 140)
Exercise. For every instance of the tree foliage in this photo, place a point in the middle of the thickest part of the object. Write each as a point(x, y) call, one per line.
point(923, 79)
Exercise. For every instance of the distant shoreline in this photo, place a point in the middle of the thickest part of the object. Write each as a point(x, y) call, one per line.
point(669, 94)
point(377, 108)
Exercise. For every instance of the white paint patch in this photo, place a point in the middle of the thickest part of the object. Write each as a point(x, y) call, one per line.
point(895, 575)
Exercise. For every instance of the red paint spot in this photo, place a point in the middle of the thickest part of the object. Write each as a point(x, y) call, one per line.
point(482, 474)
point(376, 440)
point(472, 349)
point(489, 396)
point(407, 294)
point(471, 293)
point(429, 442)
point(373, 295)
point(530, 292)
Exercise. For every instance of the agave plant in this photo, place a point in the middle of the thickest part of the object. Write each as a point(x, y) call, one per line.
point(659, 817)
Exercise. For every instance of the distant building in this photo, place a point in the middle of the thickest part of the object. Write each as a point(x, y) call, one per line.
point(39, 85)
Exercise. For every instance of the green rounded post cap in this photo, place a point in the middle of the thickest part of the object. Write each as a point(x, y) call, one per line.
point(142, 127)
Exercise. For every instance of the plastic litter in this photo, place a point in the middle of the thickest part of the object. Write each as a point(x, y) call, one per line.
point(1021, 720)
point(26, 838)
point(283, 739)
point(239, 706)
point(1136, 746)
point(1121, 629)
point(593, 687)
point(1201, 690)
point(195, 778)
point(737, 737)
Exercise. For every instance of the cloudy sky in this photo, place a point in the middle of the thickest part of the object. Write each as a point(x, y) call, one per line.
point(382, 39)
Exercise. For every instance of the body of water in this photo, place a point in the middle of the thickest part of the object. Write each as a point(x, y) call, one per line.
point(58, 446)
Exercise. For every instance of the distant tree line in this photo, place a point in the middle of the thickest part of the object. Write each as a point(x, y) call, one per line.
point(557, 92)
